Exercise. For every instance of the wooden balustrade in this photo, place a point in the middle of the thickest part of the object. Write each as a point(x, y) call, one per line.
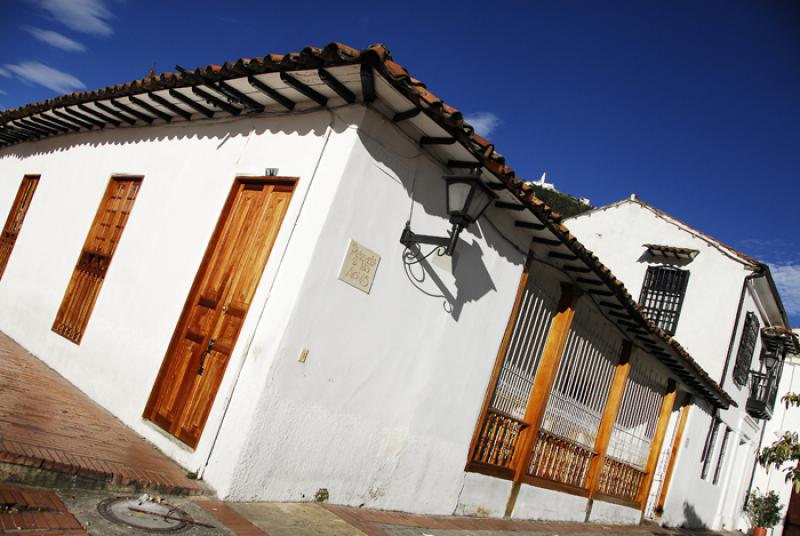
point(498, 438)
point(560, 460)
point(618, 479)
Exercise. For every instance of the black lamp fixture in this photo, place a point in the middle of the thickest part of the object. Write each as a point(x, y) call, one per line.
point(770, 359)
point(467, 198)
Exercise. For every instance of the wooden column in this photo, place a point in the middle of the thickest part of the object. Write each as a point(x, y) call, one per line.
point(610, 412)
point(543, 383)
point(501, 355)
point(673, 455)
point(667, 406)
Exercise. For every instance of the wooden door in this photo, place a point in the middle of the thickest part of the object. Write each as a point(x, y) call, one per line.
point(217, 305)
point(15, 218)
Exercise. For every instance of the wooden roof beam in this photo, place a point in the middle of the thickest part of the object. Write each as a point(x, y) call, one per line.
point(564, 257)
point(459, 164)
point(234, 94)
point(546, 241)
point(111, 111)
point(432, 140)
point(55, 121)
point(94, 113)
point(38, 120)
point(271, 93)
point(69, 115)
point(170, 106)
point(135, 113)
point(150, 108)
point(192, 104)
point(368, 83)
point(214, 101)
point(576, 269)
point(530, 225)
point(508, 206)
point(24, 123)
point(299, 86)
point(414, 112)
point(337, 87)
point(47, 131)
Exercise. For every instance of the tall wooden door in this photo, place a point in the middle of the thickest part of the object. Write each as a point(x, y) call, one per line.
point(217, 305)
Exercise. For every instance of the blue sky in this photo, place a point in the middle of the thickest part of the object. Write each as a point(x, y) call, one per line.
point(695, 106)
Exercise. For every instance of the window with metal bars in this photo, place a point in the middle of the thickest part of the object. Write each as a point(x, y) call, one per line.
point(747, 345)
point(98, 250)
point(662, 295)
point(708, 450)
point(721, 458)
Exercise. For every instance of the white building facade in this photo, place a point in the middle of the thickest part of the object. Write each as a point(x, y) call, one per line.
point(723, 308)
point(241, 297)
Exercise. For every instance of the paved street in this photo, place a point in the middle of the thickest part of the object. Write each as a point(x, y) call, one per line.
point(45, 422)
point(61, 456)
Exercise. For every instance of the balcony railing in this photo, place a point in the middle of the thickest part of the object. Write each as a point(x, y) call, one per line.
point(763, 392)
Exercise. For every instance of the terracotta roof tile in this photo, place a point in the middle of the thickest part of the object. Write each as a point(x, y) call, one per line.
point(449, 118)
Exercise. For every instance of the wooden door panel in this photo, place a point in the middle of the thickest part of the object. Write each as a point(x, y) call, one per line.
point(166, 403)
point(216, 308)
point(95, 257)
point(19, 209)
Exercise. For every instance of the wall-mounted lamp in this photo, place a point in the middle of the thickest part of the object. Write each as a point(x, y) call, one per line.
point(467, 198)
point(770, 359)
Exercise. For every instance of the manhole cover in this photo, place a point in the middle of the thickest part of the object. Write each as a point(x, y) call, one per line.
point(144, 514)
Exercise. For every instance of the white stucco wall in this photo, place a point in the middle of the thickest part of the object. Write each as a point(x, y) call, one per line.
point(617, 234)
point(388, 398)
point(382, 412)
point(783, 420)
point(707, 318)
point(188, 171)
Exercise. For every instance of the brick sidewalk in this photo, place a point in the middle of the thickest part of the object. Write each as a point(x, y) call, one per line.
point(47, 423)
point(35, 511)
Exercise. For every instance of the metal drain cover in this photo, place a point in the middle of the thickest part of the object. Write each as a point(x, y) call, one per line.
point(139, 513)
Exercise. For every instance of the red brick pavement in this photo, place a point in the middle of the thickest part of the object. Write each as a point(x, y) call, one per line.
point(47, 423)
point(28, 510)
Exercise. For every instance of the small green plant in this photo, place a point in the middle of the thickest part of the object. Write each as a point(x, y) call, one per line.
point(784, 454)
point(321, 495)
point(763, 509)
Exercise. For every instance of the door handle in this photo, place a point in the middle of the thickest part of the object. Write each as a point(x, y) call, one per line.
point(204, 355)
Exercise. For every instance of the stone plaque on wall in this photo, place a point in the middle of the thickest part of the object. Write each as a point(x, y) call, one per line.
point(359, 266)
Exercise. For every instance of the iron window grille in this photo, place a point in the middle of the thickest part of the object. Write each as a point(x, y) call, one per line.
point(708, 451)
point(662, 295)
point(747, 345)
point(722, 450)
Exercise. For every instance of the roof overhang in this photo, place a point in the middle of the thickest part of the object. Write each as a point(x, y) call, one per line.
point(671, 252)
point(339, 75)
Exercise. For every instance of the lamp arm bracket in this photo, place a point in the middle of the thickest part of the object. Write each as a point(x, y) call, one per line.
point(409, 238)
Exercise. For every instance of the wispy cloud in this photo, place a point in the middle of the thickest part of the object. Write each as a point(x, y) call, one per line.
point(4, 73)
point(38, 73)
point(484, 122)
point(87, 16)
point(787, 279)
point(55, 39)
point(3, 92)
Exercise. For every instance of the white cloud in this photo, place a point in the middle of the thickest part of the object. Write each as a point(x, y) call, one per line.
point(48, 77)
point(484, 122)
point(787, 279)
point(4, 73)
point(55, 39)
point(3, 92)
point(87, 16)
